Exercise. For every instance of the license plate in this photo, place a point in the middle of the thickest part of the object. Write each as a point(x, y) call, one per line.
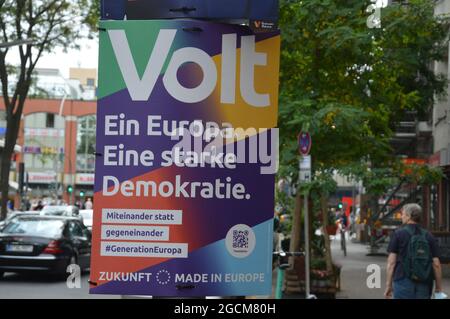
point(19, 248)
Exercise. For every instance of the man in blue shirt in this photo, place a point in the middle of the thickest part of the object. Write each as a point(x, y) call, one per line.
point(397, 283)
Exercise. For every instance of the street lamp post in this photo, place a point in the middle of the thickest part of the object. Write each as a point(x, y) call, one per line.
point(16, 42)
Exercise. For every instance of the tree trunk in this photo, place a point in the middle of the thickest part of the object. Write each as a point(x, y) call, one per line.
point(295, 275)
point(328, 257)
point(297, 223)
point(4, 186)
point(12, 131)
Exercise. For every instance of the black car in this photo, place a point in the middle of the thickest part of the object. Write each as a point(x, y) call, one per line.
point(44, 243)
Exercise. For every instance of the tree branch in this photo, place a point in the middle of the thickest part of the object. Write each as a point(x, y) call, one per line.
point(51, 23)
point(26, 73)
point(45, 9)
point(3, 27)
point(20, 7)
point(22, 98)
point(45, 41)
point(4, 79)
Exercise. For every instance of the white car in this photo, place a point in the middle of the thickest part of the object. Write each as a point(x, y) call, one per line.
point(15, 214)
point(87, 215)
point(65, 210)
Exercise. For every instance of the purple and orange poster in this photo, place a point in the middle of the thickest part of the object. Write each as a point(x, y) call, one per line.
point(186, 154)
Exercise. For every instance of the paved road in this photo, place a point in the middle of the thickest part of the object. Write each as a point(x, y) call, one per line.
point(354, 272)
point(14, 286)
point(353, 279)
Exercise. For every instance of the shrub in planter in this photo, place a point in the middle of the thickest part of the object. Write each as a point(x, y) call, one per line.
point(332, 229)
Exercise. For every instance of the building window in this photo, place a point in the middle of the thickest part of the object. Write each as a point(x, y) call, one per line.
point(90, 82)
point(44, 140)
point(433, 208)
point(86, 144)
point(50, 121)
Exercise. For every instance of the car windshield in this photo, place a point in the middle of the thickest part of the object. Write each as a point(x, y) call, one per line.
point(35, 227)
point(11, 216)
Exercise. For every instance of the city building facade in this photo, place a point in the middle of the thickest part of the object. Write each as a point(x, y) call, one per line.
point(439, 217)
point(56, 140)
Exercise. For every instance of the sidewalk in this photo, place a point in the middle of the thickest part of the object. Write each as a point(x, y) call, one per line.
point(354, 271)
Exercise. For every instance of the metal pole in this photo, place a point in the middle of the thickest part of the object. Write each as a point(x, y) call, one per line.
point(307, 277)
point(280, 279)
point(16, 42)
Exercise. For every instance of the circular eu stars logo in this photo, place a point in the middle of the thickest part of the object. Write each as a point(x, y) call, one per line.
point(163, 277)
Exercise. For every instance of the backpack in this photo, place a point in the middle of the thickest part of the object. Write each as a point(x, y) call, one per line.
point(418, 261)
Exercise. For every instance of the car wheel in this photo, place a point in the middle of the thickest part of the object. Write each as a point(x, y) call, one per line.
point(1, 275)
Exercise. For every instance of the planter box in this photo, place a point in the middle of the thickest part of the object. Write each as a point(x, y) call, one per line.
point(321, 283)
point(331, 230)
point(321, 292)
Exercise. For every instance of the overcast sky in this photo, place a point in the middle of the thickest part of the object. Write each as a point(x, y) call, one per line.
point(86, 57)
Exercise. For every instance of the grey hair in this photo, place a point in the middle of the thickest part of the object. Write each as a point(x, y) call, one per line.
point(414, 211)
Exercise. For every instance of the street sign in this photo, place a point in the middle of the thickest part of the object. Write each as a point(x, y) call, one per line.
point(304, 143)
point(305, 163)
point(170, 219)
point(305, 176)
point(305, 169)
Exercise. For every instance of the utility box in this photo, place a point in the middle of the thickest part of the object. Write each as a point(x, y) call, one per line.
point(202, 9)
point(113, 9)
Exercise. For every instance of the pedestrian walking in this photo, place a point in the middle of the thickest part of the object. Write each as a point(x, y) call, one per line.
point(39, 206)
point(10, 205)
point(352, 220)
point(413, 262)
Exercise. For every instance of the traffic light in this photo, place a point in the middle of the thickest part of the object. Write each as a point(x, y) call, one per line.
point(81, 193)
point(70, 189)
point(340, 206)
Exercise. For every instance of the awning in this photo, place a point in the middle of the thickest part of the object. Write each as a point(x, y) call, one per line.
point(15, 186)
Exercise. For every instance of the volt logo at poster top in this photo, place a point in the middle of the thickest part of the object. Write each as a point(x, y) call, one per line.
point(140, 89)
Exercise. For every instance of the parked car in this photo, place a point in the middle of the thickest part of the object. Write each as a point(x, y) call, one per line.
point(87, 215)
point(67, 211)
point(44, 244)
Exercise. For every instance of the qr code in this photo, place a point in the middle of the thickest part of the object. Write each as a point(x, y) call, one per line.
point(240, 239)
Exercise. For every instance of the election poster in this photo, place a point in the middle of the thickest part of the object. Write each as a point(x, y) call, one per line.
point(186, 155)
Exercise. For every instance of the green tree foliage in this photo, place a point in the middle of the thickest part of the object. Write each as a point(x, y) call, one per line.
point(347, 84)
point(49, 24)
point(93, 15)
